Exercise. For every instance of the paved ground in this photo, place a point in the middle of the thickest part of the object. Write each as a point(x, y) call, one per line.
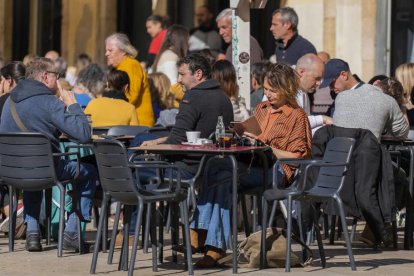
point(369, 262)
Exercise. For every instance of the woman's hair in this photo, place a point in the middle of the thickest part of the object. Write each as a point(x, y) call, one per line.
point(176, 40)
point(405, 75)
point(15, 71)
point(122, 42)
point(285, 80)
point(159, 85)
point(393, 87)
point(223, 71)
point(116, 80)
point(92, 77)
point(258, 71)
point(29, 58)
point(158, 19)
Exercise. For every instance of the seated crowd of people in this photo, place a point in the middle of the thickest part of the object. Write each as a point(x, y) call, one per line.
point(188, 91)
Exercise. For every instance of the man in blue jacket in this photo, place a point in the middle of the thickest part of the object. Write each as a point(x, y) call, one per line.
point(41, 110)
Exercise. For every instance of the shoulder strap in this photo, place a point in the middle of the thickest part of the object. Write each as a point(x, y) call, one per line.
point(16, 117)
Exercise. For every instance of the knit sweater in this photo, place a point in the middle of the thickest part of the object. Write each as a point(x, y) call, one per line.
point(367, 107)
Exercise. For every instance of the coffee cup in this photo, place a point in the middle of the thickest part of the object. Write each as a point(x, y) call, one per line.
point(192, 136)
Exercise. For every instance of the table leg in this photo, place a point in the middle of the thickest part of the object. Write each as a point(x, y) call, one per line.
point(235, 186)
point(408, 230)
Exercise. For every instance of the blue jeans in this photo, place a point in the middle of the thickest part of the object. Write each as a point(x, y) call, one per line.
point(66, 169)
point(213, 208)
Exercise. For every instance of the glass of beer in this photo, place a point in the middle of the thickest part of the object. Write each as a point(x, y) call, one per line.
point(225, 140)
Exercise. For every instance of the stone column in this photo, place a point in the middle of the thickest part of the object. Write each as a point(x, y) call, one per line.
point(6, 29)
point(85, 25)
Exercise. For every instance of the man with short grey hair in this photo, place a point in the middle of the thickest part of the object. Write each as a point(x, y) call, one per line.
point(33, 106)
point(290, 46)
point(224, 25)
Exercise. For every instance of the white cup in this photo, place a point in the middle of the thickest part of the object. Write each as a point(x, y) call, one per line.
point(192, 136)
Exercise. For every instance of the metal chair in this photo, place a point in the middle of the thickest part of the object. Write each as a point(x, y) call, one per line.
point(127, 130)
point(27, 163)
point(332, 172)
point(117, 181)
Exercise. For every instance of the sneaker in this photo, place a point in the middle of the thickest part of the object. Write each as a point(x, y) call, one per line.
point(4, 226)
point(71, 243)
point(33, 242)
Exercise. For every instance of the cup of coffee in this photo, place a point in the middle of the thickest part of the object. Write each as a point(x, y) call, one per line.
point(225, 140)
point(192, 136)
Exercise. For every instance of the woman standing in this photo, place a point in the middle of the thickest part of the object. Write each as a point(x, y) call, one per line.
point(174, 47)
point(156, 29)
point(121, 54)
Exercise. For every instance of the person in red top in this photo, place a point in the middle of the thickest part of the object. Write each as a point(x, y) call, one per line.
point(156, 29)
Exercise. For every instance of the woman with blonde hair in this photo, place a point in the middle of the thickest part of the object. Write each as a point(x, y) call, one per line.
point(405, 75)
point(162, 99)
point(121, 55)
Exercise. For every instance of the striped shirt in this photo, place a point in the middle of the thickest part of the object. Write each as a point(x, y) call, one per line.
point(286, 128)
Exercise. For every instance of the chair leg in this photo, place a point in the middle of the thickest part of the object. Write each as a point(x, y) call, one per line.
point(344, 227)
point(185, 220)
point(244, 213)
point(254, 220)
point(153, 233)
point(289, 233)
point(174, 230)
point(12, 218)
point(332, 231)
point(394, 235)
point(62, 192)
point(160, 232)
point(273, 213)
point(354, 225)
point(325, 226)
point(48, 211)
point(147, 227)
point(98, 235)
point(105, 223)
point(320, 245)
point(136, 237)
point(123, 263)
point(263, 241)
point(114, 232)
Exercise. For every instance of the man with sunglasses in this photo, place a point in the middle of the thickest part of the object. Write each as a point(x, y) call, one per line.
point(34, 107)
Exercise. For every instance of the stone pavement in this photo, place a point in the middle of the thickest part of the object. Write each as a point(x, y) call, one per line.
point(369, 262)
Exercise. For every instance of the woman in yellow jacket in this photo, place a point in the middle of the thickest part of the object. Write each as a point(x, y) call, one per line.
point(112, 108)
point(121, 54)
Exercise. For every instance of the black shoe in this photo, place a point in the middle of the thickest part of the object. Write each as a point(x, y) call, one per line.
point(33, 242)
point(71, 243)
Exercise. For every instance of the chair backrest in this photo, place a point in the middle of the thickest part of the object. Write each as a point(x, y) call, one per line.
point(127, 130)
point(26, 161)
point(338, 150)
point(115, 175)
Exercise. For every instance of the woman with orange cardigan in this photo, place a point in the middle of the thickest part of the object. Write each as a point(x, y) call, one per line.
point(121, 54)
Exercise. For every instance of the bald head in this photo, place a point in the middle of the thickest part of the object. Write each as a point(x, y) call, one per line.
point(310, 69)
point(324, 56)
point(52, 55)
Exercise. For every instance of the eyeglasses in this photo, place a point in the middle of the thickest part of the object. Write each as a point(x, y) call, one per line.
point(53, 72)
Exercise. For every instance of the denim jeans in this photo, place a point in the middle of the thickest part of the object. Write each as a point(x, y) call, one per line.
point(66, 169)
point(213, 208)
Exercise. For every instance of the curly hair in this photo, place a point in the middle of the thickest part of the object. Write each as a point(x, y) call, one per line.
point(285, 80)
point(393, 88)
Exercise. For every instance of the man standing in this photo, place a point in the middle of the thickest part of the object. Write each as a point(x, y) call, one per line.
point(41, 111)
point(360, 105)
point(224, 24)
point(205, 36)
point(290, 46)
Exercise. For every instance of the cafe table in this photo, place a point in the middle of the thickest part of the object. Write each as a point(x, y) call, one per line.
point(211, 150)
point(408, 229)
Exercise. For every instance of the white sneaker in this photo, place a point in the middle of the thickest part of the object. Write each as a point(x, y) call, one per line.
point(4, 226)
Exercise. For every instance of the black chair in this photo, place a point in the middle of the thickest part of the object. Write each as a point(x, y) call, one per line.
point(117, 181)
point(126, 130)
point(27, 163)
point(332, 171)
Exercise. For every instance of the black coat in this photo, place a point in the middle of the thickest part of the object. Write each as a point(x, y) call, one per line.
point(369, 185)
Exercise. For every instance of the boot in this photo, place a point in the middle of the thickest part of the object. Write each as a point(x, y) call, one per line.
point(211, 257)
point(197, 240)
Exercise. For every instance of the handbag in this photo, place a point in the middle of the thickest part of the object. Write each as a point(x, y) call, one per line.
point(250, 247)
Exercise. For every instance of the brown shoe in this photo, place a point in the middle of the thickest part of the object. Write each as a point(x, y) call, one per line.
point(197, 240)
point(120, 238)
point(209, 260)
